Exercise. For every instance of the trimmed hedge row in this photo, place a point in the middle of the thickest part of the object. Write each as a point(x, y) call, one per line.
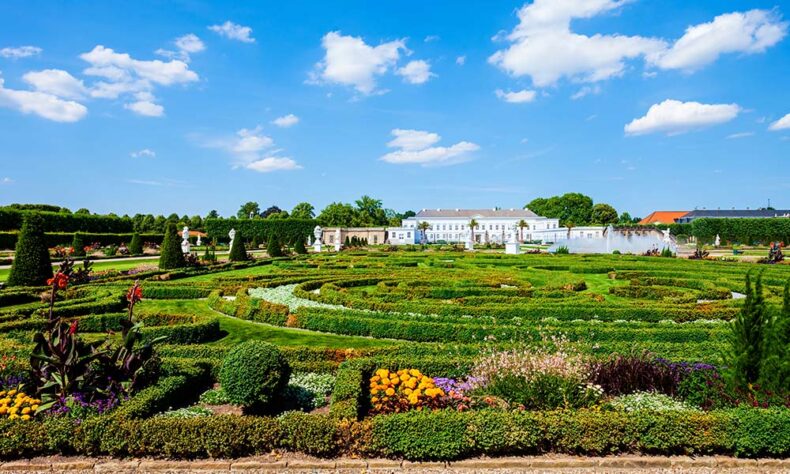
point(288, 231)
point(53, 239)
point(745, 231)
point(251, 309)
point(415, 435)
point(11, 219)
point(177, 328)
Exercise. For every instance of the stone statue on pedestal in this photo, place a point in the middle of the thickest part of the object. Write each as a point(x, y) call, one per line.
point(185, 239)
point(317, 233)
point(232, 235)
point(337, 240)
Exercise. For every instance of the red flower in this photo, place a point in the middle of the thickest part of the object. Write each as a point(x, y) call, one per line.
point(135, 294)
point(73, 327)
point(60, 280)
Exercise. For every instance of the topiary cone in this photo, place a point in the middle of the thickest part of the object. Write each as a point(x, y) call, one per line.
point(31, 266)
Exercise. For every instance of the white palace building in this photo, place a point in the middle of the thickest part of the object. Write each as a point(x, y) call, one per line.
point(493, 225)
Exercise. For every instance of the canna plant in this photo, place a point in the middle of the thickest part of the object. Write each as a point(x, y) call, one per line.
point(60, 361)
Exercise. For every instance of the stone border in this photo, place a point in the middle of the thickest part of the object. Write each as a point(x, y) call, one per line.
point(510, 464)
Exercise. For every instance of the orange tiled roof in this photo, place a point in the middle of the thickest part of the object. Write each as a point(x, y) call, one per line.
point(662, 217)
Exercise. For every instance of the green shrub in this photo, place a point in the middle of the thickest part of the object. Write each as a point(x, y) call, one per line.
point(171, 254)
point(299, 246)
point(237, 252)
point(32, 265)
point(136, 245)
point(310, 434)
point(422, 435)
point(78, 244)
point(254, 374)
point(273, 246)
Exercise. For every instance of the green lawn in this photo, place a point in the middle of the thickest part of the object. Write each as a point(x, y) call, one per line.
point(99, 266)
point(238, 330)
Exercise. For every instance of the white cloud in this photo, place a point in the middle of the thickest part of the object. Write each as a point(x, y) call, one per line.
point(416, 72)
point(190, 43)
point(431, 38)
point(251, 141)
point(673, 117)
point(415, 147)
point(272, 163)
point(56, 82)
point(516, 97)
point(460, 60)
point(43, 104)
point(740, 32)
point(6, 180)
point(144, 105)
point(144, 153)
point(544, 48)
point(119, 67)
point(781, 124)
point(233, 31)
point(413, 139)
point(734, 136)
point(286, 121)
point(20, 52)
point(585, 91)
point(350, 61)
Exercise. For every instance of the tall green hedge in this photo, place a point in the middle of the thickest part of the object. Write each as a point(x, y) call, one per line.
point(171, 255)
point(12, 219)
point(8, 239)
point(288, 230)
point(31, 265)
point(744, 231)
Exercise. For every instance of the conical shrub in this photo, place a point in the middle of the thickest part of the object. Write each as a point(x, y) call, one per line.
point(78, 244)
point(299, 246)
point(31, 266)
point(273, 247)
point(136, 245)
point(237, 251)
point(171, 255)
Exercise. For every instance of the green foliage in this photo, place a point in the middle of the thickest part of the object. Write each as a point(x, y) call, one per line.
point(542, 392)
point(745, 231)
point(562, 250)
point(573, 208)
point(287, 229)
point(249, 209)
point(237, 251)
point(254, 374)
point(299, 246)
point(78, 244)
point(424, 436)
point(136, 244)
point(171, 256)
point(746, 350)
point(13, 219)
point(31, 266)
point(303, 210)
point(273, 246)
point(776, 369)
point(603, 214)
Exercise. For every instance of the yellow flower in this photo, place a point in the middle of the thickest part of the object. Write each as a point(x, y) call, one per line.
point(390, 392)
point(374, 391)
point(13, 417)
point(407, 391)
point(374, 399)
point(11, 392)
point(415, 372)
point(13, 410)
point(2, 393)
point(3, 410)
point(25, 417)
point(34, 408)
point(26, 411)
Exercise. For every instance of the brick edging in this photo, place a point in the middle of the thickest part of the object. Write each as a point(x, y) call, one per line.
point(519, 463)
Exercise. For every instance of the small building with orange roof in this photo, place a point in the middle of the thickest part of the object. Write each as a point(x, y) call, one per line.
point(662, 217)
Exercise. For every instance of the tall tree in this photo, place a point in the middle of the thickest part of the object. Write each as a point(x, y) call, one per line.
point(303, 210)
point(424, 226)
point(370, 211)
point(213, 214)
point(338, 214)
point(271, 210)
point(570, 207)
point(521, 225)
point(248, 209)
point(747, 337)
point(603, 214)
point(472, 226)
point(171, 255)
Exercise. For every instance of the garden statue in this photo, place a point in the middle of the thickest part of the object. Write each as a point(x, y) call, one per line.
point(717, 242)
point(470, 245)
point(198, 241)
point(512, 247)
point(232, 235)
point(337, 240)
point(775, 254)
point(667, 238)
point(317, 232)
point(185, 240)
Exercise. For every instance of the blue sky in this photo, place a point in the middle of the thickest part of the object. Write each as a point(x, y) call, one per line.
point(173, 106)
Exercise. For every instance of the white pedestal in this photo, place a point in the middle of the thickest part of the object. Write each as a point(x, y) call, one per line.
point(512, 248)
point(317, 247)
point(469, 245)
point(337, 246)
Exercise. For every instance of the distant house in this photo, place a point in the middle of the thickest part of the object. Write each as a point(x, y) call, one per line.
point(663, 217)
point(732, 214)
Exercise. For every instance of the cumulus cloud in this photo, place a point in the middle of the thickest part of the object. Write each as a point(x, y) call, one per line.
point(233, 31)
point(186, 45)
point(20, 52)
point(56, 82)
point(516, 97)
point(253, 150)
point(144, 105)
point(416, 72)
point(416, 147)
point(740, 32)
point(543, 47)
point(781, 124)
point(460, 60)
point(144, 153)
point(105, 62)
point(350, 61)
point(674, 117)
point(43, 104)
point(585, 91)
point(286, 121)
